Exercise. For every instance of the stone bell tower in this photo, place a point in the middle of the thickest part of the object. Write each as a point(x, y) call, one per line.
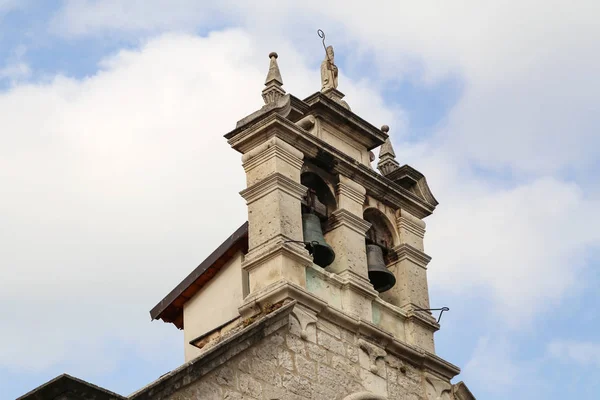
point(313, 156)
point(294, 150)
point(322, 294)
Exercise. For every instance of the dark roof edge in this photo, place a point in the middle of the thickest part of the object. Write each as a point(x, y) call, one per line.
point(240, 233)
point(67, 378)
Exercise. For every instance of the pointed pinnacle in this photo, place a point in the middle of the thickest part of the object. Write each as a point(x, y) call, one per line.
point(386, 147)
point(274, 75)
point(387, 158)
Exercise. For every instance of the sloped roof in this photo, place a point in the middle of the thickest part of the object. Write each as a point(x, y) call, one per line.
point(72, 388)
point(170, 309)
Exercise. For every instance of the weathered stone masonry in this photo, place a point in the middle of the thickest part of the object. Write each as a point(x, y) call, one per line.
point(274, 358)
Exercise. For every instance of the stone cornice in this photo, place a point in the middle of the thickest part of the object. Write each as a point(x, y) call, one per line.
point(342, 217)
point(425, 320)
point(409, 177)
point(276, 181)
point(283, 290)
point(272, 148)
point(376, 185)
point(358, 284)
point(332, 279)
point(397, 311)
point(267, 251)
point(406, 251)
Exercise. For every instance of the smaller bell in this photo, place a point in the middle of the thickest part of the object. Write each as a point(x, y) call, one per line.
point(381, 278)
point(322, 253)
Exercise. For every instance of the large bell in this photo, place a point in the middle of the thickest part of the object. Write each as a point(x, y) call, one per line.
point(322, 253)
point(381, 278)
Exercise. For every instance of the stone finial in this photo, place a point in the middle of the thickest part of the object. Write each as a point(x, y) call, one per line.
point(387, 157)
point(273, 83)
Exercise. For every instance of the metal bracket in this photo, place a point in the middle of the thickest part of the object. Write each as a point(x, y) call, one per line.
point(441, 310)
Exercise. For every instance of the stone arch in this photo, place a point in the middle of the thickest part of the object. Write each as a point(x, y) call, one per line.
point(365, 396)
point(382, 231)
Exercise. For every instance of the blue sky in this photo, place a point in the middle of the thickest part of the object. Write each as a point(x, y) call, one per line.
point(117, 180)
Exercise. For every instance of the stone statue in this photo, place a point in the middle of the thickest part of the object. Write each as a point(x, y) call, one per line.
point(329, 71)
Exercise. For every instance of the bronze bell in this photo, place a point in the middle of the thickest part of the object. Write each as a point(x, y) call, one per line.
point(381, 278)
point(322, 253)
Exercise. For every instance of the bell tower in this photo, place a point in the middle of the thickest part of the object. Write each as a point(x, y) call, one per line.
point(324, 227)
point(322, 293)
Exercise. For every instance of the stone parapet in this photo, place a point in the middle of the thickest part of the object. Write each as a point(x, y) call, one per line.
point(294, 352)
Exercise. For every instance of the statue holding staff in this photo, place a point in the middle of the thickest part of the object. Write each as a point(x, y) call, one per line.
point(329, 71)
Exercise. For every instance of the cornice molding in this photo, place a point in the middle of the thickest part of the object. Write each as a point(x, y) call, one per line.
point(375, 184)
point(272, 148)
point(283, 290)
point(275, 181)
point(267, 251)
point(407, 252)
point(343, 217)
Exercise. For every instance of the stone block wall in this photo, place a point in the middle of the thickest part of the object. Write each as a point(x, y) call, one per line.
point(329, 363)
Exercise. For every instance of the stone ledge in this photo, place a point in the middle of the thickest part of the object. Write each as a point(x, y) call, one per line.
point(283, 290)
point(267, 250)
point(273, 147)
point(407, 252)
point(342, 217)
point(276, 181)
point(379, 186)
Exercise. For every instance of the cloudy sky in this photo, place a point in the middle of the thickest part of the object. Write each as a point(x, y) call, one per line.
point(116, 180)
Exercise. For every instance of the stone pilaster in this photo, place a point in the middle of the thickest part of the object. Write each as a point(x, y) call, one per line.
point(346, 235)
point(411, 229)
point(410, 266)
point(411, 291)
point(273, 196)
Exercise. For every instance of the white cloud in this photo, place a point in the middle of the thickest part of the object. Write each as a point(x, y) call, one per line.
point(491, 364)
point(15, 71)
point(8, 5)
point(529, 67)
point(112, 177)
point(496, 371)
point(83, 17)
point(585, 353)
point(523, 247)
point(119, 184)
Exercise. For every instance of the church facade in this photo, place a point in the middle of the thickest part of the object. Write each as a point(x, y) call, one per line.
point(322, 293)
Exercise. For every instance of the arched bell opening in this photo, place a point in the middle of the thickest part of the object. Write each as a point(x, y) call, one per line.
point(317, 206)
point(379, 242)
point(321, 194)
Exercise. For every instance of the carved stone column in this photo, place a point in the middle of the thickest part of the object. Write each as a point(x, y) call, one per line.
point(346, 235)
point(410, 266)
point(273, 197)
